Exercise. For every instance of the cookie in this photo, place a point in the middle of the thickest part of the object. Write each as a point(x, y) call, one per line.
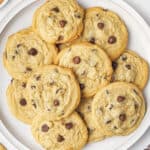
point(131, 68)
point(118, 108)
point(91, 65)
point(85, 111)
point(2, 147)
point(55, 90)
point(25, 51)
point(105, 28)
point(67, 134)
point(59, 21)
point(19, 103)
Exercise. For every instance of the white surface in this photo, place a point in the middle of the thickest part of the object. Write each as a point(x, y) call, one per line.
point(139, 145)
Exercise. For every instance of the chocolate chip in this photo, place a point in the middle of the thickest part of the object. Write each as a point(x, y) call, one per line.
point(56, 102)
point(76, 60)
point(124, 58)
point(62, 23)
point(128, 66)
point(122, 117)
point(60, 38)
point(45, 128)
point(69, 125)
point(100, 25)
point(24, 85)
point(58, 47)
point(28, 69)
point(77, 15)
point(23, 102)
point(114, 65)
point(112, 40)
point(82, 86)
point(38, 78)
point(55, 9)
point(108, 122)
point(60, 138)
point(33, 52)
point(120, 98)
point(18, 45)
point(33, 87)
point(34, 105)
point(92, 40)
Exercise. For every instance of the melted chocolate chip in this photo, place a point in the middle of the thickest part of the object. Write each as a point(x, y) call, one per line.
point(24, 85)
point(120, 98)
point(100, 25)
point(55, 9)
point(28, 69)
point(56, 102)
point(112, 40)
point(60, 138)
point(18, 45)
point(62, 23)
point(76, 60)
point(128, 66)
point(38, 78)
point(33, 52)
point(23, 102)
point(122, 117)
point(92, 40)
point(114, 65)
point(69, 125)
point(124, 58)
point(60, 38)
point(82, 86)
point(108, 122)
point(45, 128)
point(33, 87)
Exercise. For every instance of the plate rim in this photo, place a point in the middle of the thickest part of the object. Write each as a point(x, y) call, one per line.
point(124, 5)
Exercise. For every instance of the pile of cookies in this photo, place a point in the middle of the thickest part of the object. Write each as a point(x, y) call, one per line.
point(74, 81)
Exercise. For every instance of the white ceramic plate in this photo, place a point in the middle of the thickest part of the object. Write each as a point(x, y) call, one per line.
point(17, 133)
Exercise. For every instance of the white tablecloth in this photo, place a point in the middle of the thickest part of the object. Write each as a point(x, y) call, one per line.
point(141, 6)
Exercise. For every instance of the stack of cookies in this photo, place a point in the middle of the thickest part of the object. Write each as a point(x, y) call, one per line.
point(74, 81)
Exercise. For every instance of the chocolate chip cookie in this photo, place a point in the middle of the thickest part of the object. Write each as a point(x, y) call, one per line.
point(25, 51)
point(55, 90)
point(59, 21)
point(19, 103)
point(105, 28)
point(91, 65)
point(118, 108)
point(85, 111)
point(130, 67)
point(67, 134)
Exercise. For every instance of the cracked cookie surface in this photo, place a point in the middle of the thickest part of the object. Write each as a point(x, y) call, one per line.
point(25, 51)
point(67, 134)
point(106, 29)
point(131, 68)
point(19, 103)
point(91, 65)
point(59, 21)
point(118, 108)
point(85, 111)
point(55, 90)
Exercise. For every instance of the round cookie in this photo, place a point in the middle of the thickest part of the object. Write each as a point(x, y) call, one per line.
point(67, 134)
point(19, 103)
point(131, 68)
point(55, 90)
point(105, 28)
point(118, 108)
point(85, 111)
point(59, 21)
point(25, 51)
point(90, 64)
